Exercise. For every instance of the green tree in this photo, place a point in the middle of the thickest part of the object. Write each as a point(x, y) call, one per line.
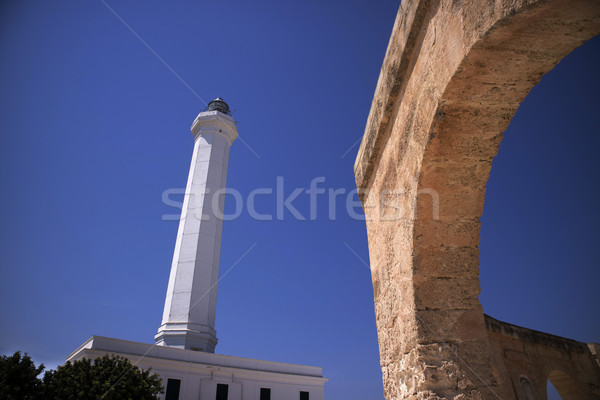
point(105, 378)
point(19, 378)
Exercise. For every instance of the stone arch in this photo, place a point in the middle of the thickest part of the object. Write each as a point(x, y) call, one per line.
point(454, 75)
point(565, 385)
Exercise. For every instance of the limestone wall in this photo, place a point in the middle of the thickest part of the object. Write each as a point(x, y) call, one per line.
point(454, 74)
point(532, 357)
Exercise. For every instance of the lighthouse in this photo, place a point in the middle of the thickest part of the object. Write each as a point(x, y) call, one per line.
point(189, 315)
point(183, 352)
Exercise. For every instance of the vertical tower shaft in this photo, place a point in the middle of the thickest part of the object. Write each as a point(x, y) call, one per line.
point(189, 315)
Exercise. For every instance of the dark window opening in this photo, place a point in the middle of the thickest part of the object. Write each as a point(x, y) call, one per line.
point(303, 395)
point(173, 386)
point(222, 391)
point(265, 394)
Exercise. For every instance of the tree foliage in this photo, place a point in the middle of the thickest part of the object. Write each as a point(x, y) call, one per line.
point(105, 378)
point(19, 378)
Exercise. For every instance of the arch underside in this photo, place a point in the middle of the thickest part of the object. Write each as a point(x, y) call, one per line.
point(451, 107)
point(566, 386)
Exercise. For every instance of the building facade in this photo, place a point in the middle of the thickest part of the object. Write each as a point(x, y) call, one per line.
point(189, 374)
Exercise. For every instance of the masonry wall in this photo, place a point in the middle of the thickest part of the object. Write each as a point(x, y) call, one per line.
point(532, 358)
point(454, 74)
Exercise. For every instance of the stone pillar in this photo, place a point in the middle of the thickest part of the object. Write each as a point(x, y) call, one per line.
point(189, 314)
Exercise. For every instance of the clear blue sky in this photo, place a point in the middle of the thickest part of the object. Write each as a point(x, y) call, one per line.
point(96, 128)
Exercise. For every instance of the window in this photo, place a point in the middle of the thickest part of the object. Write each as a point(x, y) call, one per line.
point(222, 391)
point(265, 394)
point(173, 386)
point(303, 395)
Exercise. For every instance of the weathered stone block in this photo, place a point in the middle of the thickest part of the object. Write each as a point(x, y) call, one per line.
point(454, 74)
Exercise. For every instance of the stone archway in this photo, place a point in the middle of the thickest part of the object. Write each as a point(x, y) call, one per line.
point(565, 385)
point(454, 75)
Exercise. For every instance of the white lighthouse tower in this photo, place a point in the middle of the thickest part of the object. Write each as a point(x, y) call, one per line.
point(189, 315)
point(183, 354)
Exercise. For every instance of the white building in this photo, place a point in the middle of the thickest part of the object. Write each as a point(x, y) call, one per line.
point(185, 341)
point(189, 374)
